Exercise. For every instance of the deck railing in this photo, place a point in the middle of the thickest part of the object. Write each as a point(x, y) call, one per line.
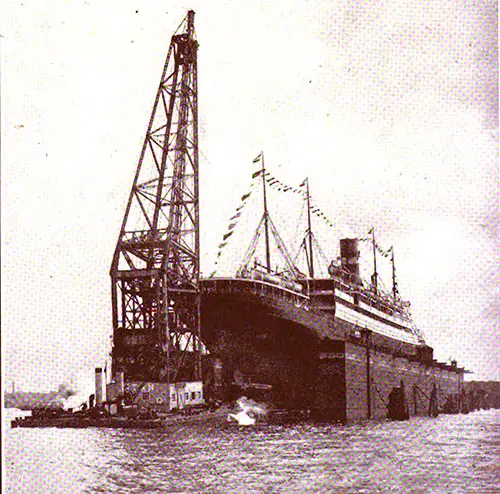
point(255, 287)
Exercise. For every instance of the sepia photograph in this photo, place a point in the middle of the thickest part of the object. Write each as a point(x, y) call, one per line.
point(250, 246)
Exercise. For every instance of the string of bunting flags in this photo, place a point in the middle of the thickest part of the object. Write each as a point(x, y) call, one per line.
point(384, 253)
point(370, 238)
point(233, 221)
point(300, 190)
point(273, 182)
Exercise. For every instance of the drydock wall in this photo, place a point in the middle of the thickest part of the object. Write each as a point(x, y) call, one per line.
point(353, 382)
point(418, 379)
point(357, 398)
point(330, 384)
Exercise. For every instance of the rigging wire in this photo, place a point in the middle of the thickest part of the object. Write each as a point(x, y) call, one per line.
point(294, 239)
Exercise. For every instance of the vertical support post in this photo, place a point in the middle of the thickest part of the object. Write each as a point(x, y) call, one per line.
point(394, 283)
point(197, 340)
point(114, 301)
point(309, 231)
point(167, 327)
point(368, 338)
point(99, 398)
point(374, 275)
point(196, 186)
point(266, 217)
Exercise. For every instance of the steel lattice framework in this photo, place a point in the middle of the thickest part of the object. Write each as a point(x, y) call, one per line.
point(156, 264)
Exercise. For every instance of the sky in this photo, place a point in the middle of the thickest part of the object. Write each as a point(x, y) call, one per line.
point(390, 108)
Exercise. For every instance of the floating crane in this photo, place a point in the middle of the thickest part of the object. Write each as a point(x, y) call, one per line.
point(156, 264)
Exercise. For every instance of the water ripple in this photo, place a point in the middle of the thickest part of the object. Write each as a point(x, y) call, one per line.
point(449, 454)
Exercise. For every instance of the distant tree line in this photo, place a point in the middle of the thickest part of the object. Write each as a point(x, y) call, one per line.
point(30, 400)
point(483, 394)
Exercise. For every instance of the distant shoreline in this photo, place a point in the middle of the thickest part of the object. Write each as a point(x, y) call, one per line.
point(487, 391)
point(27, 400)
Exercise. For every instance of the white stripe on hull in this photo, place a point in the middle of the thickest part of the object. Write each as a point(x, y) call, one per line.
point(388, 317)
point(396, 320)
point(364, 321)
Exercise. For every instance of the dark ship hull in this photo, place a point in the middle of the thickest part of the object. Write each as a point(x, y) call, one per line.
point(300, 352)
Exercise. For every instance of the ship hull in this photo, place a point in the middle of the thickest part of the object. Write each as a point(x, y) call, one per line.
point(294, 356)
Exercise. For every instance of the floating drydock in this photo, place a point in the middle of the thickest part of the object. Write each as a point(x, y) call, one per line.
point(336, 347)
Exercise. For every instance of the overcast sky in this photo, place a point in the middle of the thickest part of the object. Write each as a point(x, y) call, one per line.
point(390, 108)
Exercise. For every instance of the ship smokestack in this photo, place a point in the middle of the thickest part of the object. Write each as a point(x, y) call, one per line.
point(99, 382)
point(349, 253)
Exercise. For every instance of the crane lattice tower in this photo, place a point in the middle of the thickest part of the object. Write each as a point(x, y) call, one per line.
point(156, 264)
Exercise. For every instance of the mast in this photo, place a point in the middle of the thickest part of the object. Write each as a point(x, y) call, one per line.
point(394, 282)
point(266, 224)
point(266, 216)
point(309, 231)
point(374, 275)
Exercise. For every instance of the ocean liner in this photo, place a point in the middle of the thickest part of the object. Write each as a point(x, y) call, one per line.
point(335, 346)
point(338, 346)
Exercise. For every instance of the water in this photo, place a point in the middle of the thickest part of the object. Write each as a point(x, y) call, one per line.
point(459, 453)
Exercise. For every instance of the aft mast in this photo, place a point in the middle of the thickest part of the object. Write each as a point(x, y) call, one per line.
point(309, 231)
point(266, 215)
point(394, 281)
point(309, 241)
point(375, 274)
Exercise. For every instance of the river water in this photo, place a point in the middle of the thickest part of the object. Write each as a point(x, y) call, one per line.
point(453, 453)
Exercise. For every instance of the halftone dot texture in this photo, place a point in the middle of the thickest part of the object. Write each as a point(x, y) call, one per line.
point(390, 109)
point(451, 454)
